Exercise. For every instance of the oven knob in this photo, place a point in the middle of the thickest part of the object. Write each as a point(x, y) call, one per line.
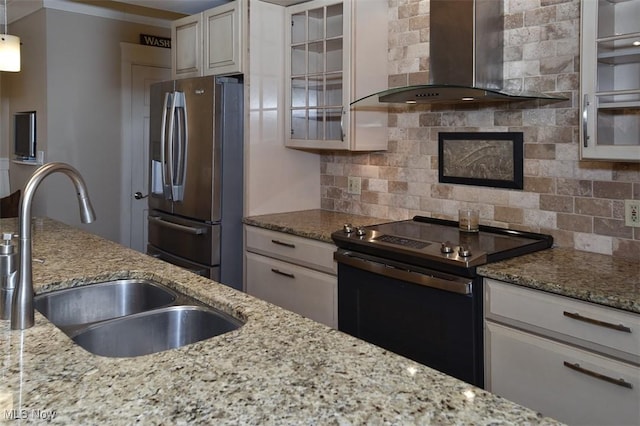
point(360, 231)
point(464, 251)
point(347, 228)
point(446, 248)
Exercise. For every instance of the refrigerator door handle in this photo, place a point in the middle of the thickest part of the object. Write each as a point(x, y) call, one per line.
point(181, 146)
point(163, 144)
point(170, 150)
point(177, 227)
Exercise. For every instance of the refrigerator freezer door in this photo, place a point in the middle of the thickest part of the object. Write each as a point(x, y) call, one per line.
point(197, 241)
point(201, 188)
point(212, 272)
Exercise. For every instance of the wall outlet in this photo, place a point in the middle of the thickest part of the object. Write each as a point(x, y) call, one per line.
point(632, 212)
point(353, 185)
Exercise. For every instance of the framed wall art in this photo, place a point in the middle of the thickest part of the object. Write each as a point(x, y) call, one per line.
point(492, 159)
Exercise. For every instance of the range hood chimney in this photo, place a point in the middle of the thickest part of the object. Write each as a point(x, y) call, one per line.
point(466, 57)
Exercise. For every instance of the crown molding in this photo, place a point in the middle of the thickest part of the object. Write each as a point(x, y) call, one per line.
point(120, 11)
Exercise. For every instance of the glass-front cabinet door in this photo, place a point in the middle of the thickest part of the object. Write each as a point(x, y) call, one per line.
point(317, 41)
point(322, 43)
point(610, 75)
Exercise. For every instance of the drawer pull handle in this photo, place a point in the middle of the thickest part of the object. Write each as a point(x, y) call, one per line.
point(286, 274)
point(282, 243)
point(176, 226)
point(619, 382)
point(579, 317)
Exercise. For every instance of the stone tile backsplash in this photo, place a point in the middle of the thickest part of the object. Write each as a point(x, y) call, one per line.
point(580, 203)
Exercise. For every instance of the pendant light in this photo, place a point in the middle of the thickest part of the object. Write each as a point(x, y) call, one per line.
point(9, 48)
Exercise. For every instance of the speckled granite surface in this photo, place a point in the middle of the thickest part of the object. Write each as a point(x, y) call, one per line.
point(592, 277)
point(279, 368)
point(586, 276)
point(315, 224)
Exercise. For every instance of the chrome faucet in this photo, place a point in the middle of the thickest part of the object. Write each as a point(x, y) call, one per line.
point(22, 315)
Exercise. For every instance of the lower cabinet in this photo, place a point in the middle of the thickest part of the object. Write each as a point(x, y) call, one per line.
point(560, 381)
point(294, 273)
point(562, 372)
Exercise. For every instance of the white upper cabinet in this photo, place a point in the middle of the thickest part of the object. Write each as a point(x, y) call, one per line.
point(186, 47)
point(337, 53)
point(610, 61)
point(208, 43)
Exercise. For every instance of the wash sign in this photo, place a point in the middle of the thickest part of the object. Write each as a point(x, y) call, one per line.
point(151, 40)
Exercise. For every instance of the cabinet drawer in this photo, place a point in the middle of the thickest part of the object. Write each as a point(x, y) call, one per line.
point(531, 371)
point(309, 293)
point(302, 251)
point(608, 330)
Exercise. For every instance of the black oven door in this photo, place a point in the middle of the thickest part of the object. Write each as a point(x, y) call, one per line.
point(429, 317)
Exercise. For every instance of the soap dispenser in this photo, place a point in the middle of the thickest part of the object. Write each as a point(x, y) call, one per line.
point(8, 275)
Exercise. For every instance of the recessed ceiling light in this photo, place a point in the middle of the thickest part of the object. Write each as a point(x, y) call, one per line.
point(636, 43)
point(468, 98)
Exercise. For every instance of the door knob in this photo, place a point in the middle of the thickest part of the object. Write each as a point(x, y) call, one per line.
point(138, 195)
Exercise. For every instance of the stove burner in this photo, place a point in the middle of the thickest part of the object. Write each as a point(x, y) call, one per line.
point(407, 242)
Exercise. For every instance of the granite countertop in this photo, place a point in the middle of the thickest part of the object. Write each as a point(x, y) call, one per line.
point(591, 277)
point(279, 368)
point(314, 224)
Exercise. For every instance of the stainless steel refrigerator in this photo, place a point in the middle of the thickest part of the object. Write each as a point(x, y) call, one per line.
point(196, 176)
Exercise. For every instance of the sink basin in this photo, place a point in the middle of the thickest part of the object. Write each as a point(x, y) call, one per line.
point(88, 304)
point(155, 331)
point(133, 317)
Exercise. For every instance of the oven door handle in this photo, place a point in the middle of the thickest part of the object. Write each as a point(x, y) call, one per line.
point(455, 285)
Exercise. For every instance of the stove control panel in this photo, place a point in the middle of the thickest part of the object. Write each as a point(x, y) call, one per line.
point(348, 229)
point(401, 241)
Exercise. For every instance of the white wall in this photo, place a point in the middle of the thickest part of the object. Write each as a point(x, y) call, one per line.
point(27, 91)
point(71, 77)
point(278, 179)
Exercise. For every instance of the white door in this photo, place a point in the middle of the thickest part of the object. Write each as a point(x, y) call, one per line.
point(141, 67)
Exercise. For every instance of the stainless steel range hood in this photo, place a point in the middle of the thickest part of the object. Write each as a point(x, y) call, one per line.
point(466, 58)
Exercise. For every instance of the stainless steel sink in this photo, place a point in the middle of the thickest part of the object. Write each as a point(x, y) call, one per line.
point(155, 331)
point(84, 305)
point(127, 318)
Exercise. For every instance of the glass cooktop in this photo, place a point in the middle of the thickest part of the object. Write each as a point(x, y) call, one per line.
point(436, 240)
